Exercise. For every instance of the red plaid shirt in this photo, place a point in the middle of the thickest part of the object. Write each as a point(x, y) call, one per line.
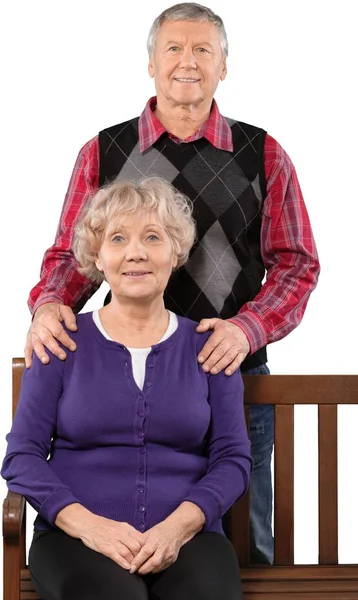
point(287, 244)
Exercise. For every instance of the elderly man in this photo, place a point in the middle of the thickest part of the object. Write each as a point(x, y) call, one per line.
point(250, 216)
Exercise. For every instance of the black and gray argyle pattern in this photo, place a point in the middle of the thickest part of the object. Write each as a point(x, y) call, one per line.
point(225, 269)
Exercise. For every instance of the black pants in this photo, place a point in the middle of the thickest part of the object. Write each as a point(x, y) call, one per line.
point(63, 568)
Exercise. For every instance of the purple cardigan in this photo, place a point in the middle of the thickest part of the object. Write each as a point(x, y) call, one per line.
point(84, 432)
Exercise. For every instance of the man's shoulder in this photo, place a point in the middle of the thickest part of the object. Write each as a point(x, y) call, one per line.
point(113, 129)
point(271, 144)
point(243, 126)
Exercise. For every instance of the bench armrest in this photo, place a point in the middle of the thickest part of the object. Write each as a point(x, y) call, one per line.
point(13, 515)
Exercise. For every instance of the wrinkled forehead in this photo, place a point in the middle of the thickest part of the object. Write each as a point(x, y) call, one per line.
point(134, 220)
point(194, 32)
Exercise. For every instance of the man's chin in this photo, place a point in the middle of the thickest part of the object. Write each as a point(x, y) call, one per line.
point(187, 99)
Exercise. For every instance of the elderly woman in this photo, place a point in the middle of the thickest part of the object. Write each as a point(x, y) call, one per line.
point(130, 452)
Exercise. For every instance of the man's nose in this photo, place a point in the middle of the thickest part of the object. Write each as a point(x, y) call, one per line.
point(187, 59)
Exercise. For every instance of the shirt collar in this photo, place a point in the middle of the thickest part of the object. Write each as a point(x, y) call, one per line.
point(216, 129)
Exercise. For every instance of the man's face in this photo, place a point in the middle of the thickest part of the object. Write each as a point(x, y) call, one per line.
point(187, 63)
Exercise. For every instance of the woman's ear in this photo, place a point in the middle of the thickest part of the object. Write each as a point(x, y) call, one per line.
point(98, 265)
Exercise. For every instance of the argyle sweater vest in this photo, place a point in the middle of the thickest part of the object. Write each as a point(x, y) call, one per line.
point(225, 269)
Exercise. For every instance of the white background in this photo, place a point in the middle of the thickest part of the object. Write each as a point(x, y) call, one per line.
point(73, 68)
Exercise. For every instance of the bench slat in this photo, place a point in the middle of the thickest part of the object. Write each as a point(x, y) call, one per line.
point(240, 520)
point(284, 463)
point(327, 478)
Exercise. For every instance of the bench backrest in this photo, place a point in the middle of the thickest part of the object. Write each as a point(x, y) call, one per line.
point(284, 392)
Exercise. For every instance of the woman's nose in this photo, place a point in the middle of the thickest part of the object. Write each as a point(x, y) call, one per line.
point(136, 251)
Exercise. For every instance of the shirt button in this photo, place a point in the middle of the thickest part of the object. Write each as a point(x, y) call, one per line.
point(142, 527)
point(139, 397)
point(141, 414)
point(150, 366)
point(141, 470)
point(142, 451)
point(148, 384)
point(141, 489)
point(141, 434)
point(141, 508)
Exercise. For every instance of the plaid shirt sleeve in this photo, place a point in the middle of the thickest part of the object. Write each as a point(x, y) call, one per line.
point(59, 279)
point(289, 254)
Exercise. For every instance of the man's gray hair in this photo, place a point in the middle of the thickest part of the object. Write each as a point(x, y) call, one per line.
point(187, 11)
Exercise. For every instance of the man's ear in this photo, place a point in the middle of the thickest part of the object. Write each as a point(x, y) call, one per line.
point(224, 70)
point(151, 67)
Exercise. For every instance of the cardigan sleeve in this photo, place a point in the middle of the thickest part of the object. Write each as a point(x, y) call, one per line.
point(229, 458)
point(25, 466)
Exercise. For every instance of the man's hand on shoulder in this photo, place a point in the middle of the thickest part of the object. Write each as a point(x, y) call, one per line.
point(46, 328)
point(226, 348)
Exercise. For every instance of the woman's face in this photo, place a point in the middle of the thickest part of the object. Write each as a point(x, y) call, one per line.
point(137, 257)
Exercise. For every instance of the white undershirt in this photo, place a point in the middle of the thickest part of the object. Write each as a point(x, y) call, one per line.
point(139, 355)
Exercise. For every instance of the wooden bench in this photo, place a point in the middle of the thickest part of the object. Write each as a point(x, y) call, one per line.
point(284, 580)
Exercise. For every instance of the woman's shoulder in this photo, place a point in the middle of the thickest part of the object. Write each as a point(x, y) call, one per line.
point(189, 329)
point(85, 336)
point(84, 323)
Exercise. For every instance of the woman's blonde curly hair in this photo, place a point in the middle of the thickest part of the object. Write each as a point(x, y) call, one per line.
point(112, 202)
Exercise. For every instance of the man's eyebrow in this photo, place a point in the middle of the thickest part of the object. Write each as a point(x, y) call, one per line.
point(180, 43)
point(203, 44)
point(173, 42)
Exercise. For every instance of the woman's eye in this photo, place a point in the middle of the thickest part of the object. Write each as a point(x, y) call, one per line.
point(117, 238)
point(152, 237)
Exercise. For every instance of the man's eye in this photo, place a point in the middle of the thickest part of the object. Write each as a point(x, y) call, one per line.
point(173, 48)
point(202, 50)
